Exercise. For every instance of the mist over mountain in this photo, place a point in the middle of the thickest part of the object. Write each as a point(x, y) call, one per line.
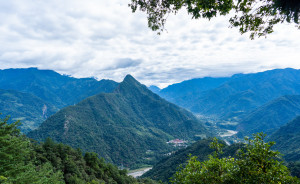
point(129, 126)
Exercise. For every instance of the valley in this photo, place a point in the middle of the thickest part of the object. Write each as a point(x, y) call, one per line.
point(137, 128)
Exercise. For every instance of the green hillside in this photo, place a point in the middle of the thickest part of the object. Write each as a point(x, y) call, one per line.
point(167, 167)
point(127, 127)
point(25, 161)
point(31, 110)
point(287, 140)
point(269, 117)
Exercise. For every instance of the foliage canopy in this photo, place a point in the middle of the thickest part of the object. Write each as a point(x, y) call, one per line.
point(254, 163)
point(255, 16)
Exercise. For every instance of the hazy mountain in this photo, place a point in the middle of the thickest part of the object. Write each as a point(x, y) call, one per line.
point(154, 89)
point(59, 90)
point(168, 166)
point(231, 97)
point(287, 140)
point(31, 110)
point(186, 92)
point(271, 116)
point(129, 126)
point(246, 92)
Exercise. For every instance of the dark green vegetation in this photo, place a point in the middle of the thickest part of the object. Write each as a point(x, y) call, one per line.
point(47, 88)
point(168, 166)
point(287, 140)
point(22, 161)
point(25, 107)
point(16, 165)
point(127, 127)
point(254, 163)
point(258, 19)
point(271, 116)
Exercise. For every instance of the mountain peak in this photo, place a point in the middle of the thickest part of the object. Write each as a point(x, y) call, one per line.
point(129, 78)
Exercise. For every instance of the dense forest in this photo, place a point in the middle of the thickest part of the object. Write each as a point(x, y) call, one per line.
point(25, 161)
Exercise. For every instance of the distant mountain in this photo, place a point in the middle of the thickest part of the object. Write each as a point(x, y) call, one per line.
point(287, 140)
point(154, 89)
point(234, 96)
point(186, 92)
point(168, 166)
point(269, 117)
point(27, 108)
point(129, 126)
point(243, 93)
point(59, 90)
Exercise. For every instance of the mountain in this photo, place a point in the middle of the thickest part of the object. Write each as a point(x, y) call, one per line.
point(154, 89)
point(243, 93)
point(31, 110)
point(184, 93)
point(168, 166)
point(271, 116)
point(129, 126)
point(287, 140)
point(54, 88)
point(229, 98)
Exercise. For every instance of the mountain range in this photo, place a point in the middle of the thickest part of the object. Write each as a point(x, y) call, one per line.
point(269, 117)
point(128, 126)
point(230, 97)
point(45, 89)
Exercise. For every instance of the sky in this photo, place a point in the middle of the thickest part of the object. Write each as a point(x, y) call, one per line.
point(105, 40)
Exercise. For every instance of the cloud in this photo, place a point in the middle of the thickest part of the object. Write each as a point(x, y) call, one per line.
point(105, 39)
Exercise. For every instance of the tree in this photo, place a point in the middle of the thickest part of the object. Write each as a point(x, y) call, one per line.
point(16, 165)
point(254, 163)
point(255, 16)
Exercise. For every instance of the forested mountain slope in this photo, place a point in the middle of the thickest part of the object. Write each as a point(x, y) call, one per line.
point(28, 108)
point(123, 126)
point(269, 117)
point(234, 96)
point(54, 88)
point(167, 167)
point(287, 140)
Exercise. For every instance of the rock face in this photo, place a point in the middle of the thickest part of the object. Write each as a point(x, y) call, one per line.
point(121, 126)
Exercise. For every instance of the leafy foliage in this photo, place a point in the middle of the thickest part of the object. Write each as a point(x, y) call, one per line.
point(22, 161)
point(256, 17)
point(166, 168)
point(15, 163)
point(255, 163)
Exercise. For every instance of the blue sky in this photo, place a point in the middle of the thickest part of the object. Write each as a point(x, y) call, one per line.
point(104, 39)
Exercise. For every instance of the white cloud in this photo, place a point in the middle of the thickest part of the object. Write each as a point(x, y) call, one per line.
point(104, 39)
